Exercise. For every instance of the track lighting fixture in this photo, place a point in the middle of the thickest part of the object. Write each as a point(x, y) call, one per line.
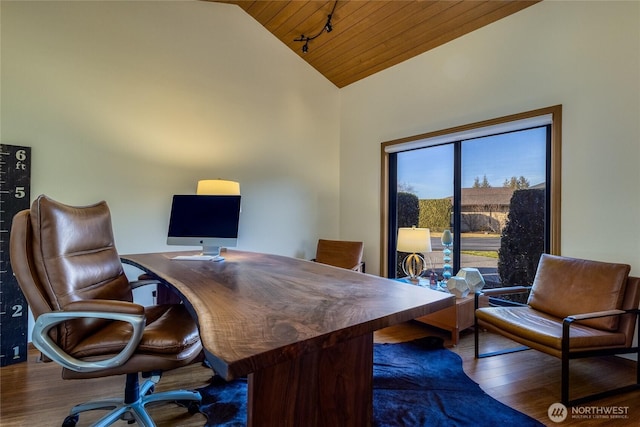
point(327, 27)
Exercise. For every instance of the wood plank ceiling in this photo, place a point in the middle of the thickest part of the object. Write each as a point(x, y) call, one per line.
point(370, 36)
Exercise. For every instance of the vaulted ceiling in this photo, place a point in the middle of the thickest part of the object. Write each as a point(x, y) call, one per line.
point(370, 36)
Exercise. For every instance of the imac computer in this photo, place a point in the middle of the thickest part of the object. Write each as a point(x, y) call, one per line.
point(207, 221)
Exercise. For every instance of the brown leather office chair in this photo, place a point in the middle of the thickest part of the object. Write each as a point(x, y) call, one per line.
point(340, 253)
point(68, 268)
point(576, 309)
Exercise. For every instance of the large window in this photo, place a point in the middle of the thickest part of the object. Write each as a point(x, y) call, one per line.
point(495, 185)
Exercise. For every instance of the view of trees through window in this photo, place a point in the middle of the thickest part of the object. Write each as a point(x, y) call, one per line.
point(490, 191)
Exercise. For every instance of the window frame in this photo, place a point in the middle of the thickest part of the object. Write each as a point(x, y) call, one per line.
point(553, 116)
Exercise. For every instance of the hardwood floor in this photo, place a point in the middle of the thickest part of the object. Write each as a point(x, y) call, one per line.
point(33, 393)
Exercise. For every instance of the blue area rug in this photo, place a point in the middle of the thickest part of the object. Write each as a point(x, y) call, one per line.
point(418, 383)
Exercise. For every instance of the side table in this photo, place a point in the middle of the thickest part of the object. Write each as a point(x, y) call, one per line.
point(453, 319)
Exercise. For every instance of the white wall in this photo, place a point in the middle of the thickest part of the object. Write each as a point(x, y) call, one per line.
point(132, 102)
point(583, 55)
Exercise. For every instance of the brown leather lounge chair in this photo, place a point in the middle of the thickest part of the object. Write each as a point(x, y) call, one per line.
point(340, 253)
point(68, 268)
point(576, 309)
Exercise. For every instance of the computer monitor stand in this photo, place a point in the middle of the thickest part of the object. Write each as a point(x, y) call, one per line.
point(209, 253)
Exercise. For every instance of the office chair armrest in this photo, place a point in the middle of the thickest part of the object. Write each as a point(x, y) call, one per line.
point(101, 309)
point(104, 306)
point(144, 279)
point(139, 283)
point(359, 267)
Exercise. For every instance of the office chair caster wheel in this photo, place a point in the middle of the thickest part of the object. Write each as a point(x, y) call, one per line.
point(70, 421)
point(192, 407)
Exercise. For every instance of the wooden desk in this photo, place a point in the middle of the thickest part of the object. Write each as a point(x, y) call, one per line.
point(302, 332)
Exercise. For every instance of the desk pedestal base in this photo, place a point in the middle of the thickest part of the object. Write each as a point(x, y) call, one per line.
point(330, 387)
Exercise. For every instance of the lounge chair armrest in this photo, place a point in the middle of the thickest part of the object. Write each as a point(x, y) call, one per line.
point(120, 310)
point(488, 295)
point(567, 321)
point(505, 291)
point(594, 315)
point(597, 314)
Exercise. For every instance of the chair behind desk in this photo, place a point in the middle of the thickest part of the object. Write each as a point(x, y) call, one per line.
point(340, 253)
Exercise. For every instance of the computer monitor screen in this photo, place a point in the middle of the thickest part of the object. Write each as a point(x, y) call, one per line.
point(207, 221)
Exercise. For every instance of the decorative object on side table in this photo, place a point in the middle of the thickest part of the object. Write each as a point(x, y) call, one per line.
point(474, 279)
point(414, 241)
point(447, 242)
point(458, 286)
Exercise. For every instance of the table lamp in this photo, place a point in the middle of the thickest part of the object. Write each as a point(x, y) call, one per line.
point(218, 187)
point(414, 241)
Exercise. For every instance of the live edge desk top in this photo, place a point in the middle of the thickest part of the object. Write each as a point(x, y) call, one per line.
point(301, 331)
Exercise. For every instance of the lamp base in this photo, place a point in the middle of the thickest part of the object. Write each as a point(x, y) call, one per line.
point(413, 266)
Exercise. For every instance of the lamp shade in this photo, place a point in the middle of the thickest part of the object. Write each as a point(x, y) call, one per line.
point(218, 187)
point(414, 240)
